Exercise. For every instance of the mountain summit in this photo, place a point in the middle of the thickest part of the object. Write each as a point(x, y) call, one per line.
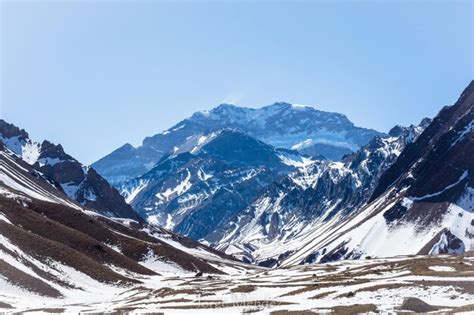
point(282, 125)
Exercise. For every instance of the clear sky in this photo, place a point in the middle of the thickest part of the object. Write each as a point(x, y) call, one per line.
point(93, 75)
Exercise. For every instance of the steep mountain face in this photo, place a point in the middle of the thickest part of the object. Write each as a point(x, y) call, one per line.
point(282, 125)
point(265, 232)
point(206, 181)
point(53, 247)
point(78, 182)
point(423, 204)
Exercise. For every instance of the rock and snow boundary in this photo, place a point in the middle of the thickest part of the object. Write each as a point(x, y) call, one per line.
point(417, 284)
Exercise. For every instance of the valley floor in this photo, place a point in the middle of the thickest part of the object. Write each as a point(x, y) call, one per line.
point(418, 284)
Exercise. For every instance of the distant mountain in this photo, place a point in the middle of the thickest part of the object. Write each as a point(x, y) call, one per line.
point(207, 180)
point(79, 182)
point(281, 125)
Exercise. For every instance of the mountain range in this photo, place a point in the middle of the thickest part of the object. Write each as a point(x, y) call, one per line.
point(263, 204)
point(212, 177)
point(282, 125)
point(234, 191)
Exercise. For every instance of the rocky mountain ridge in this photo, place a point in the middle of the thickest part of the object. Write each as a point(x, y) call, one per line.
point(282, 125)
point(79, 182)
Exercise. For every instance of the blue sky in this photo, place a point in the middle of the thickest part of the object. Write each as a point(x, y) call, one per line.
point(93, 75)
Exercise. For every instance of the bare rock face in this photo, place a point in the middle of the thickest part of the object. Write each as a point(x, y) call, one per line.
point(11, 131)
point(441, 154)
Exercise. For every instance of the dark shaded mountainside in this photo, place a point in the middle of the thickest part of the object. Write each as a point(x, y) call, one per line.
point(206, 181)
point(56, 246)
point(442, 154)
point(282, 125)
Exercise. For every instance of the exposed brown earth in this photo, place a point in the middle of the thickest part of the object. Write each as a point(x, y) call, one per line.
point(243, 289)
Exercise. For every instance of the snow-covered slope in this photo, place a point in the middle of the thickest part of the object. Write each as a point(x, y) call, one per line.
point(77, 181)
point(282, 125)
point(207, 180)
point(52, 247)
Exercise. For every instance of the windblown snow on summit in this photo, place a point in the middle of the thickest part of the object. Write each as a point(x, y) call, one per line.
point(282, 125)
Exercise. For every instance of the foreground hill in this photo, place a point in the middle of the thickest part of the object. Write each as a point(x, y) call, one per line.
point(53, 247)
point(281, 125)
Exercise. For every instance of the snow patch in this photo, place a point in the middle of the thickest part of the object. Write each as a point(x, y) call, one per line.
point(203, 176)
point(178, 190)
point(442, 268)
point(48, 161)
point(157, 264)
point(70, 189)
point(130, 195)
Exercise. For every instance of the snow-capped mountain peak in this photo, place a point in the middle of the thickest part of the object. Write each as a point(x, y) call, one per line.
point(282, 125)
